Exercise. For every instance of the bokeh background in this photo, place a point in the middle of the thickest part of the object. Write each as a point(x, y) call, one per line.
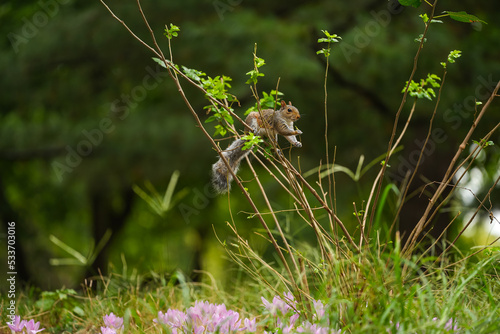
point(86, 115)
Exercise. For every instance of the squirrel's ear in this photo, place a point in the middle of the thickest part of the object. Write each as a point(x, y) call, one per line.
point(289, 103)
point(283, 104)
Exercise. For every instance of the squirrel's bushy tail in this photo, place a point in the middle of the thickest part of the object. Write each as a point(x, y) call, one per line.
point(221, 177)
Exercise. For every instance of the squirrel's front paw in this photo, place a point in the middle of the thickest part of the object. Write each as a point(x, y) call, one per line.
point(298, 132)
point(297, 144)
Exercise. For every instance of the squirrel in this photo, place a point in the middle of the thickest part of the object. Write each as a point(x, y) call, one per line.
point(267, 123)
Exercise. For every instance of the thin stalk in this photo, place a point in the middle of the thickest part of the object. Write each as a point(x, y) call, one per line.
point(278, 226)
point(379, 175)
point(403, 102)
point(327, 149)
point(424, 220)
point(429, 132)
point(209, 138)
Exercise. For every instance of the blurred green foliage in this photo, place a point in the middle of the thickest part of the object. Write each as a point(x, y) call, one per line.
point(86, 115)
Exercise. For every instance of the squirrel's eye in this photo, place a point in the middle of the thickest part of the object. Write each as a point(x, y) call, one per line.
point(289, 110)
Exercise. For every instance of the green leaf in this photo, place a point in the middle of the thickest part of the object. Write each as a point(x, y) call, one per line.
point(217, 87)
point(78, 311)
point(414, 3)
point(212, 118)
point(268, 101)
point(77, 255)
point(464, 17)
point(159, 61)
point(220, 130)
point(254, 75)
point(193, 74)
point(251, 140)
point(169, 193)
point(425, 18)
point(419, 90)
point(455, 54)
point(432, 79)
point(172, 31)
point(259, 62)
point(330, 38)
point(483, 143)
point(326, 52)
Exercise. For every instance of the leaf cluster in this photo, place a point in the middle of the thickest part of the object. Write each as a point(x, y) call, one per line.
point(251, 140)
point(171, 32)
point(255, 73)
point(460, 16)
point(61, 305)
point(268, 101)
point(330, 38)
point(420, 91)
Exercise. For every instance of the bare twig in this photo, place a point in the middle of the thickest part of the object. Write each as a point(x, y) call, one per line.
point(424, 220)
point(403, 102)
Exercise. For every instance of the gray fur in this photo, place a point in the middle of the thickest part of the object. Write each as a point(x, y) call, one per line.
point(221, 177)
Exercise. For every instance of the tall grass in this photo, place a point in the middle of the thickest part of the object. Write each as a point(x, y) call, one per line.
point(375, 296)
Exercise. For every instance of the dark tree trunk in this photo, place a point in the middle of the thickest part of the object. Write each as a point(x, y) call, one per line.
point(7, 214)
point(106, 216)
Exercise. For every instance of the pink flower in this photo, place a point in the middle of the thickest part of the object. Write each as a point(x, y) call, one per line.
point(32, 327)
point(250, 325)
point(319, 308)
point(279, 305)
point(107, 330)
point(173, 318)
point(205, 317)
point(17, 325)
point(307, 327)
point(451, 325)
point(113, 321)
point(198, 329)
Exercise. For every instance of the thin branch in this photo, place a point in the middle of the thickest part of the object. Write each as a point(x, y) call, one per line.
point(424, 220)
point(403, 102)
point(129, 30)
point(429, 132)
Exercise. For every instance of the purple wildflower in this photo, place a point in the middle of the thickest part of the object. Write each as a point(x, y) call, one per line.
point(213, 317)
point(451, 325)
point(16, 324)
point(279, 305)
point(319, 308)
point(112, 321)
point(307, 327)
point(107, 330)
point(250, 325)
point(32, 327)
point(205, 317)
point(173, 318)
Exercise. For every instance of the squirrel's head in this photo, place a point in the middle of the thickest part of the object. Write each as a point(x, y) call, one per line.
point(289, 111)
